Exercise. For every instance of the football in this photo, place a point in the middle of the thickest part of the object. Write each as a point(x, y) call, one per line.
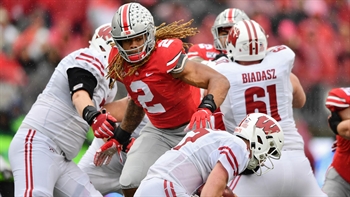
point(227, 192)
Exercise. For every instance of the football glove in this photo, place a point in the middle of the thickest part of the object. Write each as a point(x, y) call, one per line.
point(103, 156)
point(102, 123)
point(203, 118)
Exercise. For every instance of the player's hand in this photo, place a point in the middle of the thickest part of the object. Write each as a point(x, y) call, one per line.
point(104, 155)
point(333, 121)
point(103, 125)
point(200, 119)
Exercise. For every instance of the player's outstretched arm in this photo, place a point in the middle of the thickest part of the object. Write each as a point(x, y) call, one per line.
point(299, 97)
point(117, 108)
point(203, 76)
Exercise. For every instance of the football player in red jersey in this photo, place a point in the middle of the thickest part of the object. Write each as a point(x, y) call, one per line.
point(337, 182)
point(159, 77)
point(207, 53)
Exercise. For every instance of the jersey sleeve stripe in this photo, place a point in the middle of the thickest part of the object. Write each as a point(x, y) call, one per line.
point(93, 63)
point(234, 182)
point(93, 58)
point(174, 59)
point(328, 103)
point(192, 55)
point(230, 156)
point(337, 99)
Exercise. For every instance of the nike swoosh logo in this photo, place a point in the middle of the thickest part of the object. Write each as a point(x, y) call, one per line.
point(148, 74)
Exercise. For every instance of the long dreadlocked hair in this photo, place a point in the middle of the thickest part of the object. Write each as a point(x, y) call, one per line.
point(176, 29)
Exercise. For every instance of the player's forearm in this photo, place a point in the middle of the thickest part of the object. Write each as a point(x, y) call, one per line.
point(132, 118)
point(216, 182)
point(80, 100)
point(299, 97)
point(344, 129)
point(218, 87)
point(117, 108)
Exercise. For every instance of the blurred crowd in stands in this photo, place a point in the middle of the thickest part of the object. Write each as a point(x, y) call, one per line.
point(36, 34)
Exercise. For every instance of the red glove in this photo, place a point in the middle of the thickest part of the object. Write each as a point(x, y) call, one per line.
point(106, 152)
point(104, 155)
point(201, 119)
point(103, 125)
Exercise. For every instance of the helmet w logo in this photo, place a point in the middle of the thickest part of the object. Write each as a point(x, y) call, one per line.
point(267, 125)
point(105, 32)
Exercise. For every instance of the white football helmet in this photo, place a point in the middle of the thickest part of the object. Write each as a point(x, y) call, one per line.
point(226, 19)
point(132, 20)
point(102, 40)
point(246, 41)
point(265, 138)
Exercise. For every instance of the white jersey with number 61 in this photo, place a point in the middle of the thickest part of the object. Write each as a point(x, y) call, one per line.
point(264, 88)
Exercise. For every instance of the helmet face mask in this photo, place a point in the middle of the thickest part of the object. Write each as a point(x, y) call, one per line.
point(246, 41)
point(226, 19)
point(129, 22)
point(265, 138)
point(102, 40)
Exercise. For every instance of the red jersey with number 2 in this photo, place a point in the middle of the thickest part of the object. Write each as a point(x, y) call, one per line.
point(168, 102)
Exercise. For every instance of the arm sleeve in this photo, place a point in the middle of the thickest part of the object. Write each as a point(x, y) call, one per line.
point(79, 78)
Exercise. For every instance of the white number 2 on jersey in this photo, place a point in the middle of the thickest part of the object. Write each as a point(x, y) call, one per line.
point(165, 43)
point(147, 97)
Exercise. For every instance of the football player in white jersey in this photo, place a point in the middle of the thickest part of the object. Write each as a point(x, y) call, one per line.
point(214, 157)
point(262, 81)
point(55, 128)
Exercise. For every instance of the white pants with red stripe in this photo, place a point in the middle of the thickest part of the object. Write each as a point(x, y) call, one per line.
point(39, 168)
point(159, 187)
